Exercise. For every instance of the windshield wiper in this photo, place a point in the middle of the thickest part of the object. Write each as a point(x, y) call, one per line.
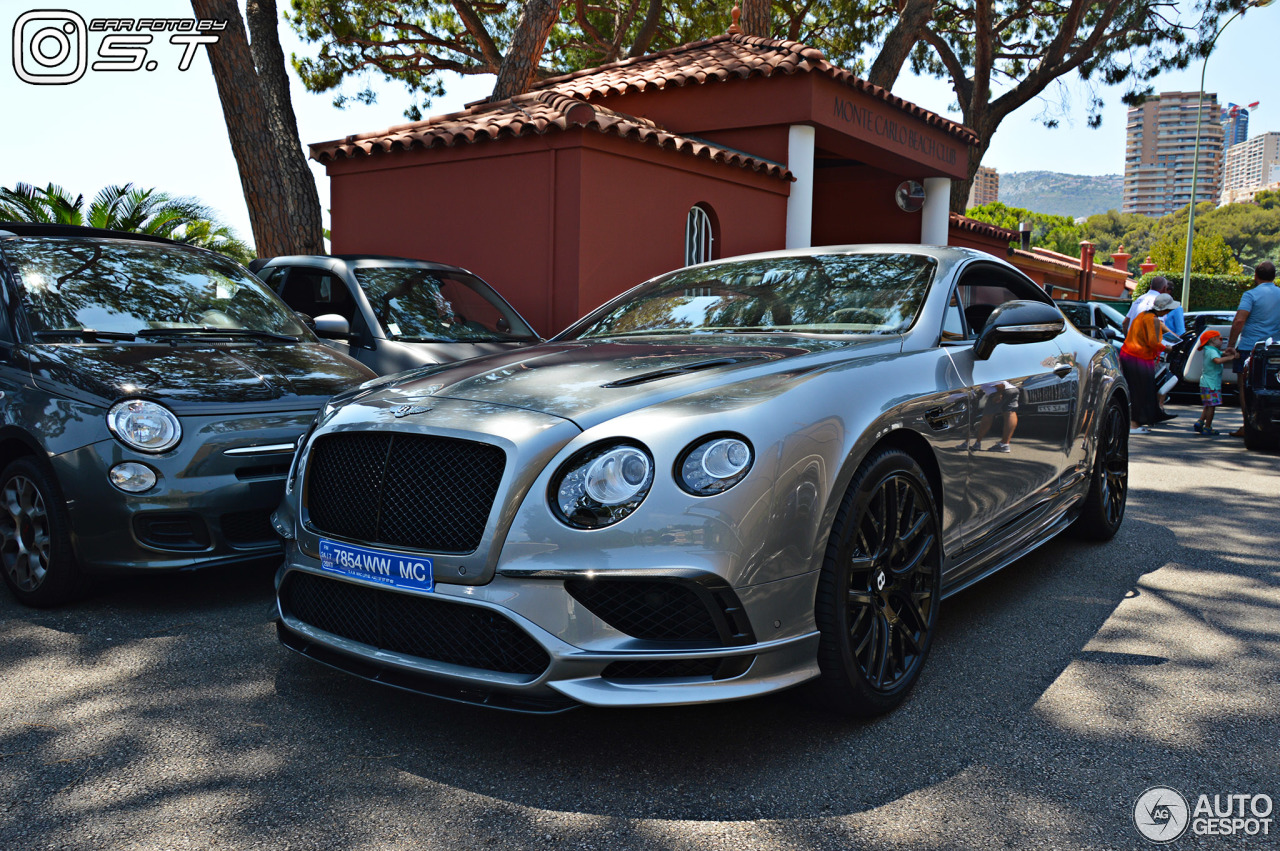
point(211, 331)
point(83, 333)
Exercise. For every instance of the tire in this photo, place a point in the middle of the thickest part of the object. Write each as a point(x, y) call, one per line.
point(36, 557)
point(880, 587)
point(1257, 440)
point(1103, 510)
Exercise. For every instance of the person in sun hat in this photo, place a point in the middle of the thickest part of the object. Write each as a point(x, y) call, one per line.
point(1142, 347)
point(1211, 379)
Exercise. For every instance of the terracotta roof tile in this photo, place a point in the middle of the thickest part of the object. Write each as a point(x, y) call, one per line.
point(726, 57)
point(537, 112)
point(982, 228)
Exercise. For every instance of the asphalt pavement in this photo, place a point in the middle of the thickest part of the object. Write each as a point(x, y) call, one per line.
point(161, 714)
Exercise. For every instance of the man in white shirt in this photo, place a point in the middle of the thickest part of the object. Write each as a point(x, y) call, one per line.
point(1143, 302)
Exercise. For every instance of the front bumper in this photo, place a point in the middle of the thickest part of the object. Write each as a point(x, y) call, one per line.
point(211, 506)
point(567, 654)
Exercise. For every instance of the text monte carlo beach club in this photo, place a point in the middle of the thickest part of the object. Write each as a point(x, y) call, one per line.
point(893, 131)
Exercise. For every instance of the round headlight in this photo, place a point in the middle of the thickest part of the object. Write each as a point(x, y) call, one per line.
point(132, 477)
point(143, 425)
point(714, 465)
point(601, 485)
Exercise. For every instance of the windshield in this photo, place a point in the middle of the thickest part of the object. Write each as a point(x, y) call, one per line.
point(822, 294)
point(413, 303)
point(123, 288)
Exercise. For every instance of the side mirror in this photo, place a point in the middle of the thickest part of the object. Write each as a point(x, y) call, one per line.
point(1017, 322)
point(1114, 334)
point(306, 319)
point(331, 326)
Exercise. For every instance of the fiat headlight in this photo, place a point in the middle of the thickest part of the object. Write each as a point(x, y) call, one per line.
point(144, 425)
point(601, 485)
point(713, 465)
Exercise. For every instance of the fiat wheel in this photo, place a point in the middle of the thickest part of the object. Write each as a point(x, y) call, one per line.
point(880, 587)
point(35, 548)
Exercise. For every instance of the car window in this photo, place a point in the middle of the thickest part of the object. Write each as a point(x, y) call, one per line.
point(1111, 317)
point(415, 303)
point(272, 276)
point(120, 286)
point(316, 292)
point(953, 327)
point(984, 288)
point(823, 294)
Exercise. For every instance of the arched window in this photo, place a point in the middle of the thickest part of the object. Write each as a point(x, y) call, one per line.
point(699, 235)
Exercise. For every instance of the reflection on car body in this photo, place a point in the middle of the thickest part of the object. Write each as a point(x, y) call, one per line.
point(731, 480)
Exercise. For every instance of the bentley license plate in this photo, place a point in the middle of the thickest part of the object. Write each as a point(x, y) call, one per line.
point(395, 569)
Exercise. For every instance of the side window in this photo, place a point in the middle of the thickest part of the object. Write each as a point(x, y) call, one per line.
point(953, 322)
point(316, 293)
point(273, 277)
point(984, 289)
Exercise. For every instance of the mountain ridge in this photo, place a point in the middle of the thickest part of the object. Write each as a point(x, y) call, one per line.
point(1061, 194)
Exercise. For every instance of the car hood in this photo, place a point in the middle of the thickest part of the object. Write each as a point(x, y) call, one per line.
point(202, 376)
point(591, 382)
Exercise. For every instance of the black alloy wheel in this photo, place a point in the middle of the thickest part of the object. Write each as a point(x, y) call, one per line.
point(35, 547)
point(880, 587)
point(1103, 509)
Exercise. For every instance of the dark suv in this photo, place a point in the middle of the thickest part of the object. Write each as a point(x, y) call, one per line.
point(151, 395)
point(1261, 390)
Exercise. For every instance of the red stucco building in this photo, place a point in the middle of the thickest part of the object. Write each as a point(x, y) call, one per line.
point(595, 181)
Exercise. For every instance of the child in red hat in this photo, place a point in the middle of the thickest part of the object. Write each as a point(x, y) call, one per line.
point(1210, 380)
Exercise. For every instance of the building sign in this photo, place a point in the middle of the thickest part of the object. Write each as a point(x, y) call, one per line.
point(922, 147)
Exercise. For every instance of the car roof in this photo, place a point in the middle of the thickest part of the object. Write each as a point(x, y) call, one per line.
point(42, 229)
point(359, 258)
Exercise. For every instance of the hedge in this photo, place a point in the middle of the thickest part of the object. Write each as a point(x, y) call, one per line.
point(1208, 292)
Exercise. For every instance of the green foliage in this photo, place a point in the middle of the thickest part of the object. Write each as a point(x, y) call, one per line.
point(1208, 292)
point(1210, 255)
point(1056, 233)
point(125, 208)
point(411, 43)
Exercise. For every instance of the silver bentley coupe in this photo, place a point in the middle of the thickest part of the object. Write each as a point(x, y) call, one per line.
point(733, 479)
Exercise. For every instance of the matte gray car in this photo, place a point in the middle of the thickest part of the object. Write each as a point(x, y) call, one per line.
point(393, 313)
point(731, 480)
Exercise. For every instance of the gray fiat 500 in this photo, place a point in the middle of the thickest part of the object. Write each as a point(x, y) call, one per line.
point(731, 480)
point(151, 397)
point(393, 313)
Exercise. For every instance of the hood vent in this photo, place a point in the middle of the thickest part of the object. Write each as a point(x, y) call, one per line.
point(671, 372)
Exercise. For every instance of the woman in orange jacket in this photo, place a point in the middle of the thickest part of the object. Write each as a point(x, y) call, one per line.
point(1142, 347)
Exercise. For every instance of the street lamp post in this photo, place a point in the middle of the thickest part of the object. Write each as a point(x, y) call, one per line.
point(1195, 156)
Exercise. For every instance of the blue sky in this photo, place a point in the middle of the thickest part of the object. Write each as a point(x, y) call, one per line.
point(164, 127)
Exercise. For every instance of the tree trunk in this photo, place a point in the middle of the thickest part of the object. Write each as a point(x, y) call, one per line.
point(273, 82)
point(960, 188)
point(898, 43)
point(247, 122)
point(757, 17)
point(520, 65)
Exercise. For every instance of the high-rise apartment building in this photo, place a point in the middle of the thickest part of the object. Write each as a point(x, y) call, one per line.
point(1249, 167)
point(985, 188)
point(1235, 125)
point(1160, 138)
